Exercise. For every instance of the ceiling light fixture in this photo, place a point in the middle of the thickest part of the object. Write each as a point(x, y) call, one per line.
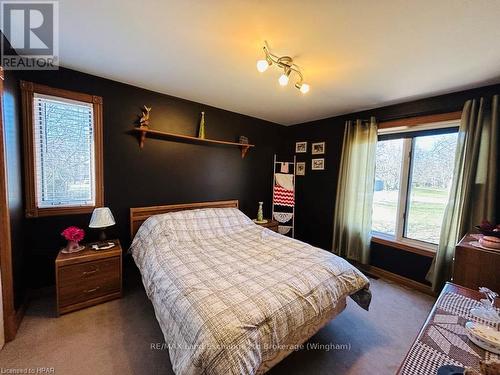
point(286, 63)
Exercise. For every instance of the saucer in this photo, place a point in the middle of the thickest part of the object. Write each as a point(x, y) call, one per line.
point(260, 221)
point(484, 336)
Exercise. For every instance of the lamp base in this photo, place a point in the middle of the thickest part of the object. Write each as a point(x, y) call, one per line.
point(102, 235)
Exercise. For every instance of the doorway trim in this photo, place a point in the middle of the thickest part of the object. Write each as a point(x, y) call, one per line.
point(9, 312)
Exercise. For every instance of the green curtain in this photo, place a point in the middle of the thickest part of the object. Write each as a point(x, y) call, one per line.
point(474, 185)
point(353, 206)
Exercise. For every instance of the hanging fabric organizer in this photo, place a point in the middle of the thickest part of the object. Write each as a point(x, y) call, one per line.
point(283, 207)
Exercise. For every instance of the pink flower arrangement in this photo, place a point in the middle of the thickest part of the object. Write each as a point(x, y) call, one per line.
point(73, 234)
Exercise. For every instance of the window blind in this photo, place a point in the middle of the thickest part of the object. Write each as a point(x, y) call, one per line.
point(64, 152)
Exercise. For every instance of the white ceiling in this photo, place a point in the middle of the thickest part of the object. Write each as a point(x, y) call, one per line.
point(355, 54)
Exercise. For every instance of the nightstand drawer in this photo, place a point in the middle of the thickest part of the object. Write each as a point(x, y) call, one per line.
point(81, 282)
point(78, 273)
point(72, 293)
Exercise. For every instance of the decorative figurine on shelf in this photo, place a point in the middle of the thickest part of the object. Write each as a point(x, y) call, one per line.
point(144, 120)
point(201, 131)
point(73, 235)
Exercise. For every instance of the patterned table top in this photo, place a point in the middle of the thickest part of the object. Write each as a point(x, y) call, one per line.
point(444, 341)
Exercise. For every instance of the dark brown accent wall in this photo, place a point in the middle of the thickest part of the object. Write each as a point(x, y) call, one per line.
point(317, 190)
point(164, 172)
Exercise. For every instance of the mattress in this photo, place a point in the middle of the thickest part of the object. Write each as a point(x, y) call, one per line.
point(232, 297)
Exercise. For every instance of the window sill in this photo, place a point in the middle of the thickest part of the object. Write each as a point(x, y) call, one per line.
point(59, 211)
point(420, 250)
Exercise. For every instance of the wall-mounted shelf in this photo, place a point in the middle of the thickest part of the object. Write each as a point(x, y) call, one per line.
point(143, 132)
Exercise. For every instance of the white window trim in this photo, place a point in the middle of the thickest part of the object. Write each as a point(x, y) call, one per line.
point(404, 180)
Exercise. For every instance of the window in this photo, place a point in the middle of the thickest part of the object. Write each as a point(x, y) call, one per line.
point(63, 151)
point(413, 174)
point(387, 185)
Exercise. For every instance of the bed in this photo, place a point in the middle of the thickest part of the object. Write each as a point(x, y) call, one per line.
point(232, 297)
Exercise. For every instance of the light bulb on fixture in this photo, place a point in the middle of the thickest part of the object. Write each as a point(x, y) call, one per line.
point(262, 65)
point(303, 87)
point(283, 79)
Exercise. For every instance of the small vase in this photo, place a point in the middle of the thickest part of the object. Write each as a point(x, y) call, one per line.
point(73, 247)
point(260, 213)
point(201, 131)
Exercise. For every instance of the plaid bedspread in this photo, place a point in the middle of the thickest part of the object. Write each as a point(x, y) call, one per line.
point(229, 294)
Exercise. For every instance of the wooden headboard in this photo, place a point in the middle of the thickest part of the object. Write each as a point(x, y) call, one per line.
point(139, 215)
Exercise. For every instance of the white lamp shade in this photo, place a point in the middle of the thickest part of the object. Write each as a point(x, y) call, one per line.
point(101, 218)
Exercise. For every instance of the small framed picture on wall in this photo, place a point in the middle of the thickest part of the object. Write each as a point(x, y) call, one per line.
point(318, 164)
point(300, 147)
point(318, 148)
point(301, 168)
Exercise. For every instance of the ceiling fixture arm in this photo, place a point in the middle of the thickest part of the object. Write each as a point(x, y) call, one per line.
point(299, 74)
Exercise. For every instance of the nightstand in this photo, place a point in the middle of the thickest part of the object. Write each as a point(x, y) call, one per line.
point(88, 277)
point(271, 224)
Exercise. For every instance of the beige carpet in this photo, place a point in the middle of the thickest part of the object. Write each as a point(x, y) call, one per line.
point(117, 337)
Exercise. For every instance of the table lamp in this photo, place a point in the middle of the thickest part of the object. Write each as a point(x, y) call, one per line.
point(102, 218)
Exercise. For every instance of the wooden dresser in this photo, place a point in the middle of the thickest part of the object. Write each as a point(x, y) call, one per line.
point(88, 278)
point(474, 267)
